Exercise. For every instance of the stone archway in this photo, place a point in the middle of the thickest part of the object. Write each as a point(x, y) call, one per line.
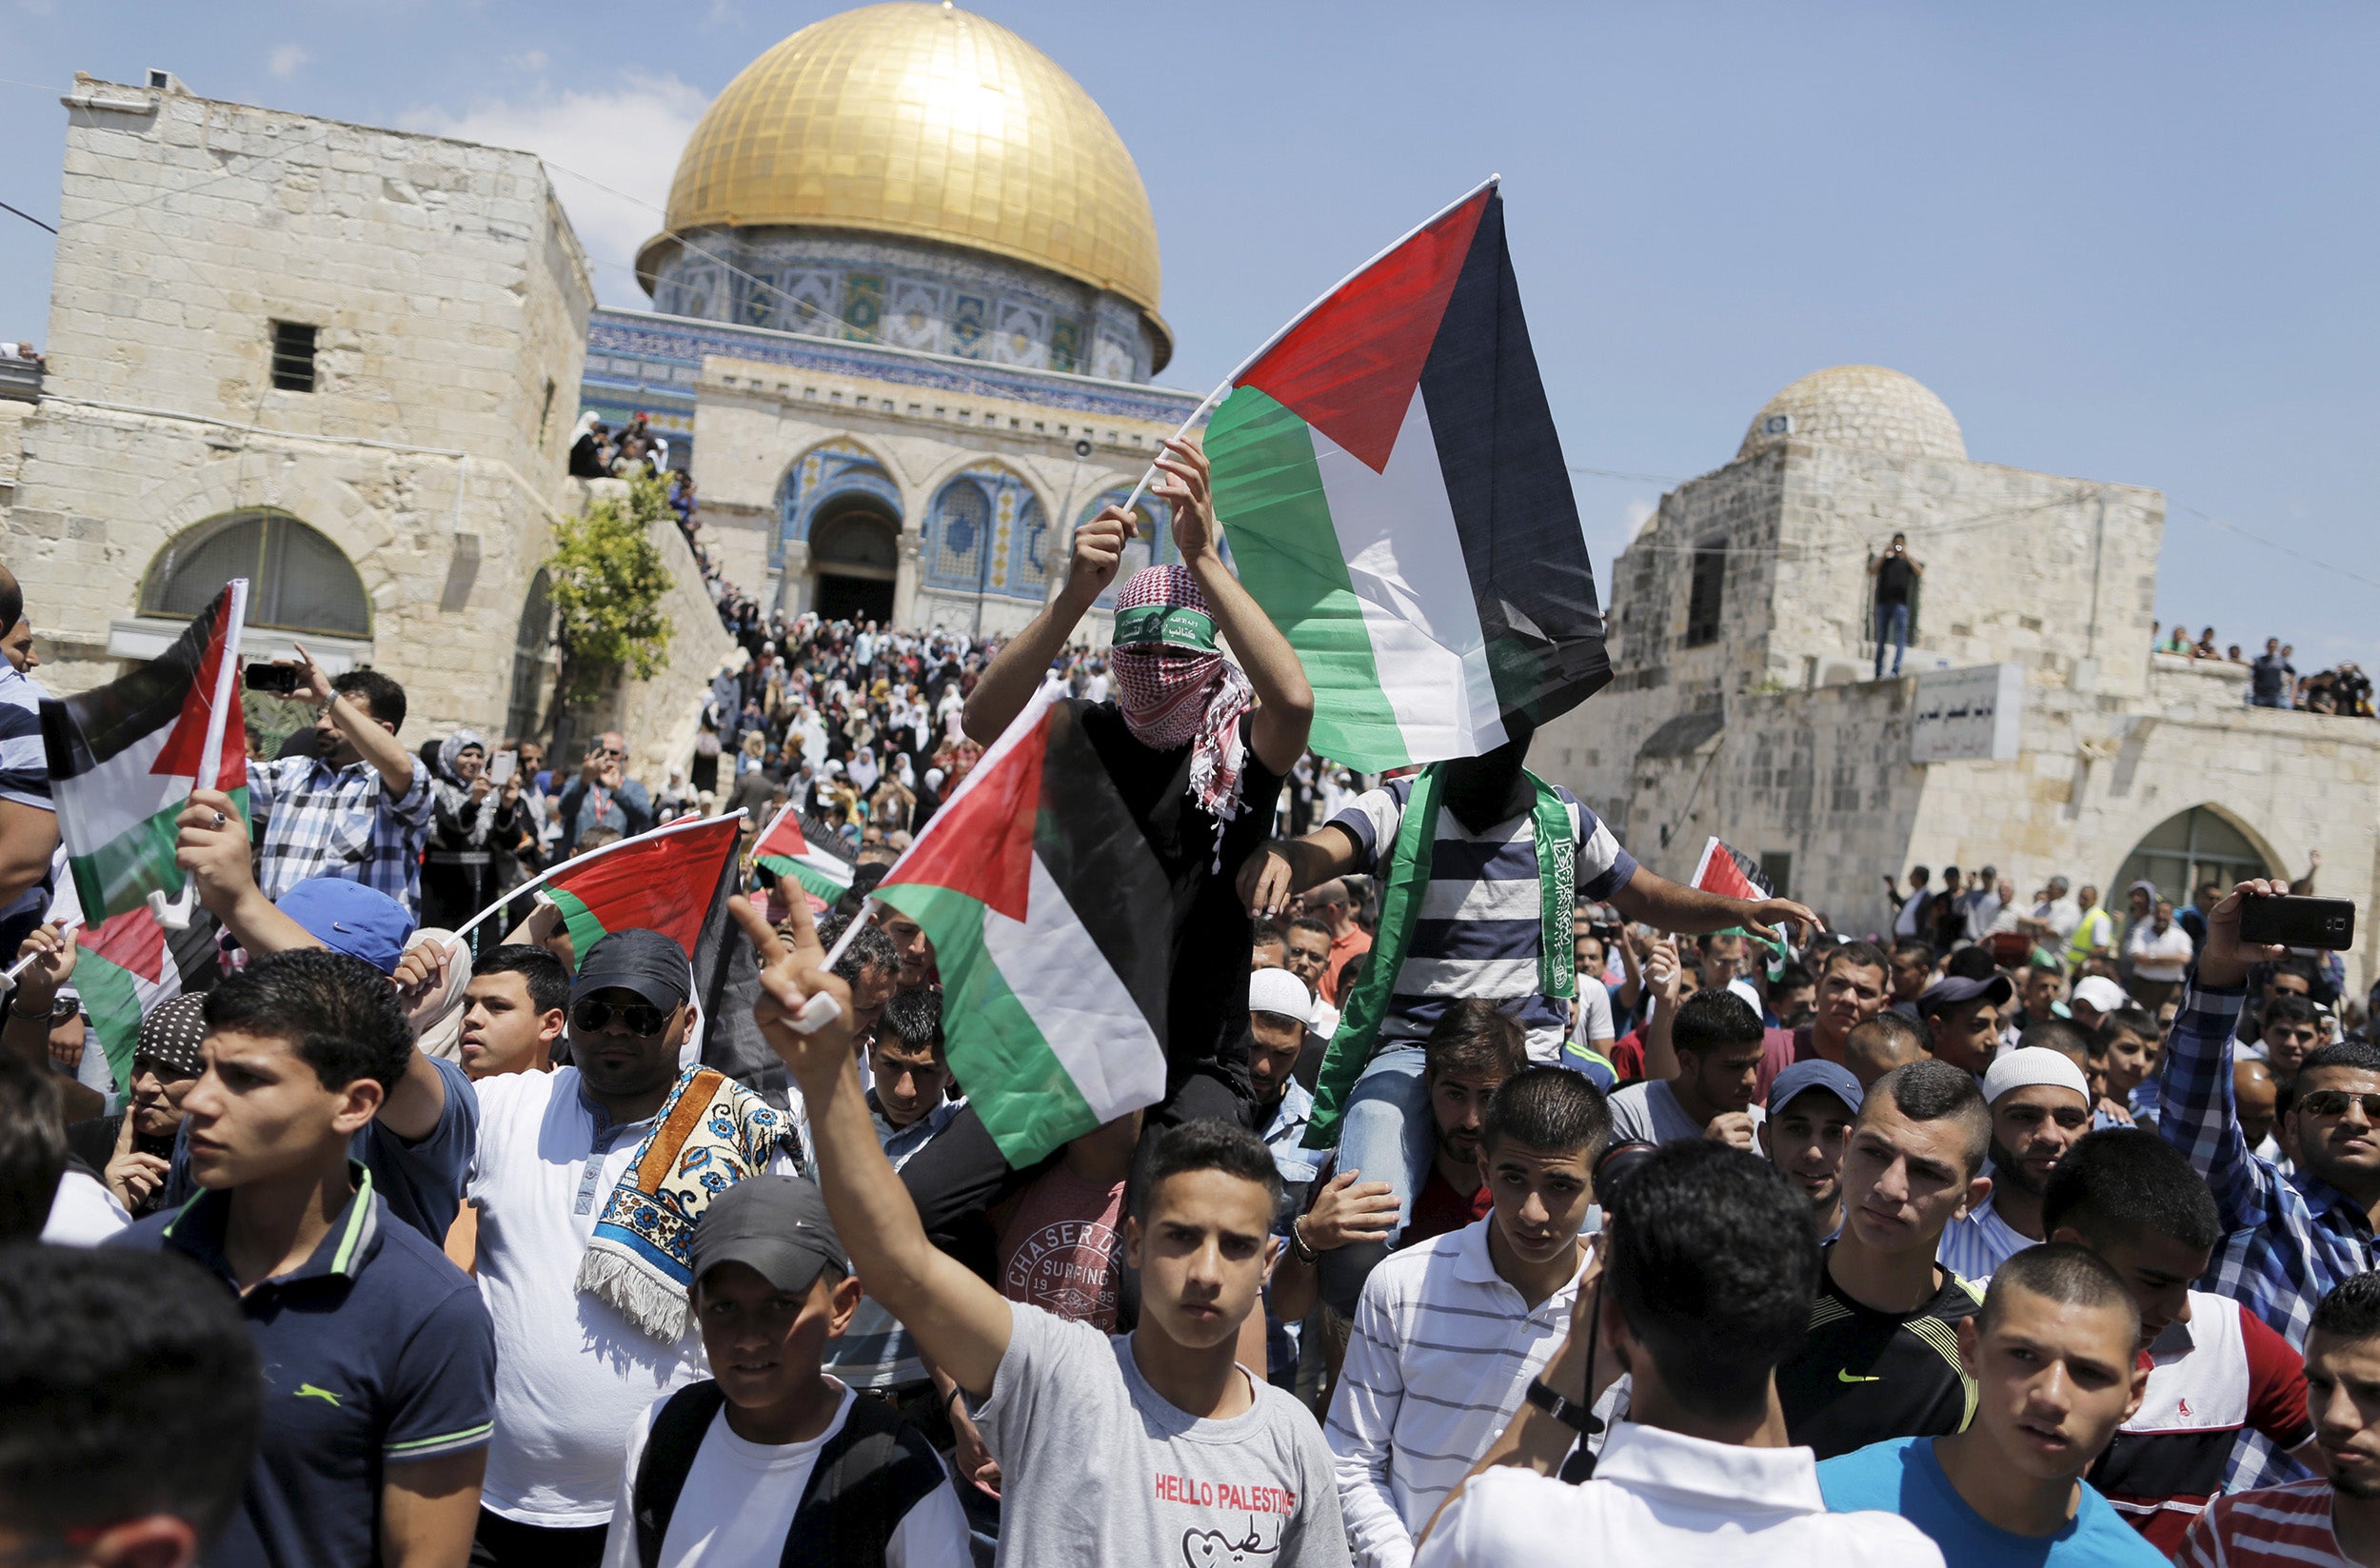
point(2202, 843)
point(855, 559)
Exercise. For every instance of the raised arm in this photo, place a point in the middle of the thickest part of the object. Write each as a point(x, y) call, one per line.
point(25, 1031)
point(960, 1322)
point(211, 847)
point(2197, 1113)
point(1666, 905)
point(374, 741)
point(1016, 672)
point(1287, 702)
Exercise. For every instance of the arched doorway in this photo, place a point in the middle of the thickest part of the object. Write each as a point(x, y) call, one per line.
point(298, 580)
point(533, 667)
point(2193, 846)
point(855, 551)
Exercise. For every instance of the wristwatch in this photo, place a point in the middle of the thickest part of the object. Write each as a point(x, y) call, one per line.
point(1579, 1417)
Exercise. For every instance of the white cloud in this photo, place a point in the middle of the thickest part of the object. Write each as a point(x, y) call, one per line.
point(285, 61)
point(626, 139)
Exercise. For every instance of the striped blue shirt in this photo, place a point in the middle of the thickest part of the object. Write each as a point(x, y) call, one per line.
point(1480, 930)
point(24, 780)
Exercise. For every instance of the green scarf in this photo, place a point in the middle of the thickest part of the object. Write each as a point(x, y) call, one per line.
point(1407, 877)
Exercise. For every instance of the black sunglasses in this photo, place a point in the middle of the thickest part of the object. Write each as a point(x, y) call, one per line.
point(2334, 1103)
point(639, 1018)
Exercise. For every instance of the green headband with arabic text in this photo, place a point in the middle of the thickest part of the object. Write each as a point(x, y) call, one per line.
point(1167, 626)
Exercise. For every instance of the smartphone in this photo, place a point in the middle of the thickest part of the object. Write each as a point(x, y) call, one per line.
point(502, 768)
point(2288, 920)
point(282, 679)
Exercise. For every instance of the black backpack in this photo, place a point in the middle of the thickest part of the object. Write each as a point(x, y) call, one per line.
point(868, 1477)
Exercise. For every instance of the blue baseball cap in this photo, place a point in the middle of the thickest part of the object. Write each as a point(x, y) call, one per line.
point(1804, 1075)
point(348, 917)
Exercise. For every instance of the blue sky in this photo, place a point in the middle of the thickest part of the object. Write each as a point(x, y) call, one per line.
point(2135, 244)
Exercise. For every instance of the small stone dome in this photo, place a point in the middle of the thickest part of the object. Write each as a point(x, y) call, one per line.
point(1859, 406)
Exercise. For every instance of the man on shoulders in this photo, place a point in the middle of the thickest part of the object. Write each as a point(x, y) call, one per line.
point(1450, 1333)
point(1196, 1452)
point(2051, 1354)
point(29, 819)
point(2214, 1367)
point(1879, 1359)
point(359, 806)
point(1707, 1279)
point(377, 1352)
point(2040, 1106)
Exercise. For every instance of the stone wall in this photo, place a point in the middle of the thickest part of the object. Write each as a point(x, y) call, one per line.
point(449, 295)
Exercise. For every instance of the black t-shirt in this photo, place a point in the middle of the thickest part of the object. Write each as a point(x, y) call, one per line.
point(1207, 997)
point(1860, 1376)
point(1893, 578)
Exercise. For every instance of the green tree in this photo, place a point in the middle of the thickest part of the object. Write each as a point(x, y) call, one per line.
point(608, 582)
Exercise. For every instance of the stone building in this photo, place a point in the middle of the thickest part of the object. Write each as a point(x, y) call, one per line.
point(2032, 727)
point(338, 360)
point(904, 315)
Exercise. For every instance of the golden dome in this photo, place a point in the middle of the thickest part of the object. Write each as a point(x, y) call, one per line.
point(926, 121)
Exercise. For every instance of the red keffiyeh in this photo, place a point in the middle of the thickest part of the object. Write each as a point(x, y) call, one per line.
point(1174, 697)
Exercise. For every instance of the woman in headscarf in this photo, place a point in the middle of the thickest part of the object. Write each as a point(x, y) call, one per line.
point(1197, 750)
point(471, 818)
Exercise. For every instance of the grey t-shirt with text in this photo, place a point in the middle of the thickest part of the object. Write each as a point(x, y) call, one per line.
point(1095, 1467)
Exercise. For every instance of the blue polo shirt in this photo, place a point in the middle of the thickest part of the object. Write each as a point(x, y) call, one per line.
point(421, 1182)
point(376, 1351)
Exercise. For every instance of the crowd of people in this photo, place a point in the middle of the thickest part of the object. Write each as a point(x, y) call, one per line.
point(2272, 678)
point(1503, 1199)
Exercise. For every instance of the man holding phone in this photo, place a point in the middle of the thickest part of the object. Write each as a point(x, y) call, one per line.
point(1896, 572)
point(360, 807)
point(603, 795)
point(2304, 1233)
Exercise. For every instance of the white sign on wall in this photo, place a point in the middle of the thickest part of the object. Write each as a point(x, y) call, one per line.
point(1966, 715)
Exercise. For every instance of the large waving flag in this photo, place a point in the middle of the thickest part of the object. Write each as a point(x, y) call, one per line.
point(1388, 475)
point(784, 850)
point(676, 880)
point(1047, 915)
point(125, 757)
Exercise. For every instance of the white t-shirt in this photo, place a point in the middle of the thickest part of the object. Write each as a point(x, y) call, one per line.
point(572, 1373)
point(739, 1499)
point(1595, 1012)
point(83, 1213)
point(1676, 1501)
point(2162, 959)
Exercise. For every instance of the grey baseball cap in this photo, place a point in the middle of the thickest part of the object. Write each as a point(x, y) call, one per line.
point(776, 1225)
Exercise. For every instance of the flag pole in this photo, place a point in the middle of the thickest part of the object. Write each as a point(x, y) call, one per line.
point(547, 875)
point(1222, 391)
point(174, 914)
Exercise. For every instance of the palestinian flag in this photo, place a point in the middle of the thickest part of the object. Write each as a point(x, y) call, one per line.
point(1731, 874)
point(129, 966)
point(125, 757)
point(678, 879)
point(1394, 498)
point(666, 880)
point(1047, 915)
point(783, 851)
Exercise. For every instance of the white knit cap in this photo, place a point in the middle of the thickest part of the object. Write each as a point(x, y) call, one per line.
point(2027, 1066)
point(1278, 992)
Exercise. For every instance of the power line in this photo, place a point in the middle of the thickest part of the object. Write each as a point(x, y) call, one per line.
point(27, 216)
